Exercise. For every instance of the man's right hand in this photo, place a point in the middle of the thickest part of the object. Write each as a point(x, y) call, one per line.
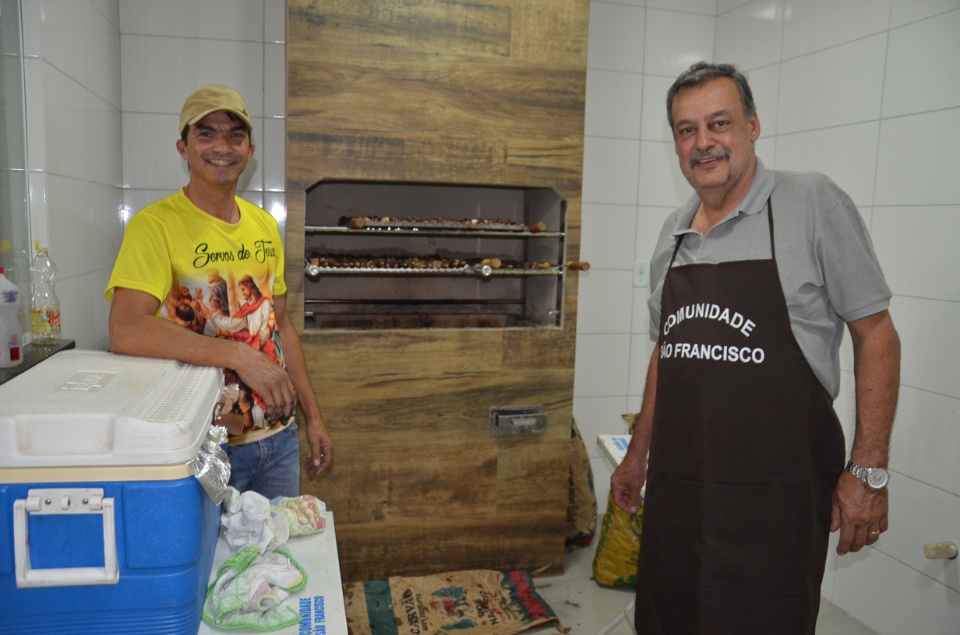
point(627, 482)
point(271, 382)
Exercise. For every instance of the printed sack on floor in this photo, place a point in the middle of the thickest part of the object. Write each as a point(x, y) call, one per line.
point(478, 602)
point(618, 548)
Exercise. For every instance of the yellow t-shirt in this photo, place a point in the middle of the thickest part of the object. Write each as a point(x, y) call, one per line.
point(213, 277)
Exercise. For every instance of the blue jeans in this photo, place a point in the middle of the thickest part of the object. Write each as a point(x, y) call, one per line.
point(270, 467)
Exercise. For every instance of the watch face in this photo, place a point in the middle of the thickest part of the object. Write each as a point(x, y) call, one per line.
point(877, 478)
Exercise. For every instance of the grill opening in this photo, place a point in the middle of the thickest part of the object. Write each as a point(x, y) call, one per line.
point(433, 255)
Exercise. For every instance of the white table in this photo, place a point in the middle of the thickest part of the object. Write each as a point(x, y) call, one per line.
point(614, 446)
point(320, 602)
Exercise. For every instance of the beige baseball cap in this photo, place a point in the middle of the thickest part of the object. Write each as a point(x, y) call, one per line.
point(213, 98)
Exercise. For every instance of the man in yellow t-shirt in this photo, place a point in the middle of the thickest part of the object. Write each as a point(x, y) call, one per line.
point(199, 278)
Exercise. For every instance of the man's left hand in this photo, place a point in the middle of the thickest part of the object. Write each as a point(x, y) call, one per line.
point(860, 513)
point(321, 448)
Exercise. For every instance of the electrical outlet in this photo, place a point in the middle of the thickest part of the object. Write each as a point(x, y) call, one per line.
point(517, 420)
point(641, 273)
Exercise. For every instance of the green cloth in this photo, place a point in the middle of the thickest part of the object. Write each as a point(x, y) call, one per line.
point(251, 589)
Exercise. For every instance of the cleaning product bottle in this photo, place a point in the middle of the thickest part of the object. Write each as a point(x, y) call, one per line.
point(45, 307)
point(10, 337)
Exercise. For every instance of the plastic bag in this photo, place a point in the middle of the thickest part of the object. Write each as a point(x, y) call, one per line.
point(618, 548)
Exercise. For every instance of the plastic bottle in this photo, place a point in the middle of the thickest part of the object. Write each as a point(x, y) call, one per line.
point(45, 306)
point(11, 351)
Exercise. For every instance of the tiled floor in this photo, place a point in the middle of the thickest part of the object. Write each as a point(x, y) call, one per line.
point(587, 608)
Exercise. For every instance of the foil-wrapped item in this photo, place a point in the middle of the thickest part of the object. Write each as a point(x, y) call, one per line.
point(211, 466)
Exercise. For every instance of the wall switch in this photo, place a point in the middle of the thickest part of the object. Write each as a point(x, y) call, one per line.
point(641, 273)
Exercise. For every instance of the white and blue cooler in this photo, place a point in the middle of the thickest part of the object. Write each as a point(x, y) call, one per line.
point(104, 528)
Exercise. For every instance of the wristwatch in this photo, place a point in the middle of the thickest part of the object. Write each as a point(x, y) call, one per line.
point(874, 477)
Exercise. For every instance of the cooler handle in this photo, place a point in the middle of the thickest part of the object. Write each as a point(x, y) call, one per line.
point(64, 501)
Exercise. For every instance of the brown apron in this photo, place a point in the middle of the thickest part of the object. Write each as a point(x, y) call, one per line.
point(745, 454)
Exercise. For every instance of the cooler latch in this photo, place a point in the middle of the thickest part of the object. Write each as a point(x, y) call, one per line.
point(64, 501)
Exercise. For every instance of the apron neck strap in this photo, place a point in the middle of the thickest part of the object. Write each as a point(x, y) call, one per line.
point(773, 249)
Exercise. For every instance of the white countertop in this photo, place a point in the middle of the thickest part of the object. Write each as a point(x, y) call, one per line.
point(614, 446)
point(320, 602)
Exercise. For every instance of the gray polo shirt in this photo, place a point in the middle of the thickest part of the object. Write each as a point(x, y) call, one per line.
point(828, 269)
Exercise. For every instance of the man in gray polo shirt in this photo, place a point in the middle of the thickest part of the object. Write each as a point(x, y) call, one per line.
point(753, 282)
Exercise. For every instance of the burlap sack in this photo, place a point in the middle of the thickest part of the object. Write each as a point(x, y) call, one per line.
point(479, 602)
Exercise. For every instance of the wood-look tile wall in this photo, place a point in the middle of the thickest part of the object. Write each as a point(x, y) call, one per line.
point(484, 92)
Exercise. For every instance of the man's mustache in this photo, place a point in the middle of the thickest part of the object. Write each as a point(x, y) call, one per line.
point(707, 154)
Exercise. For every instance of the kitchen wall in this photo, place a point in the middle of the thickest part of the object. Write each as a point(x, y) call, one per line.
point(105, 80)
point(14, 221)
point(864, 90)
point(73, 151)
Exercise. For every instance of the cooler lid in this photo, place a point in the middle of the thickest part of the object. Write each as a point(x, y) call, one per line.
point(93, 408)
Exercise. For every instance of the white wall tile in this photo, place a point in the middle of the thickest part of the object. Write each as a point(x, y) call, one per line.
point(65, 122)
point(835, 87)
point(705, 7)
point(106, 222)
point(68, 211)
point(602, 470)
point(654, 123)
point(906, 11)
point(276, 204)
point(813, 25)
point(214, 19)
point(837, 152)
point(765, 85)
point(914, 79)
point(188, 64)
point(605, 301)
point(615, 41)
point(674, 41)
point(640, 324)
point(35, 130)
point(598, 415)
point(150, 157)
point(255, 197)
point(69, 26)
point(271, 151)
point(31, 20)
point(728, 5)
point(766, 151)
point(607, 235)
point(661, 181)
point(904, 541)
point(83, 310)
point(845, 404)
point(911, 169)
point(37, 192)
point(641, 348)
point(136, 199)
point(920, 447)
point(613, 104)
point(893, 599)
point(931, 350)
point(649, 222)
point(274, 20)
point(110, 9)
point(610, 170)
point(603, 363)
point(274, 80)
point(750, 36)
point(901, 233)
